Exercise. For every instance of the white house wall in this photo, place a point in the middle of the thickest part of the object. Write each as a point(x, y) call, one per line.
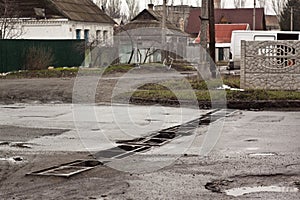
point(63, 29)
point(46, 30)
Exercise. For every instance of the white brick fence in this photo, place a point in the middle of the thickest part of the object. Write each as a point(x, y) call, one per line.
point(272, 65)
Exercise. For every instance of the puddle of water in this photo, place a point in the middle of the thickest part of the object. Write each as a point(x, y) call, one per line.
point(246, 190)
point(262, 154)
point(252, 148)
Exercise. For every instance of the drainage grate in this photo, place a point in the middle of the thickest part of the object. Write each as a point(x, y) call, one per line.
point(68, 169)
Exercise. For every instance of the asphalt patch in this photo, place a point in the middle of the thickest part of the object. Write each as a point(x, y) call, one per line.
point(24, 134)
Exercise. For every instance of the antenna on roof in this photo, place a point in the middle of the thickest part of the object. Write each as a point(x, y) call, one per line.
point(103, 8)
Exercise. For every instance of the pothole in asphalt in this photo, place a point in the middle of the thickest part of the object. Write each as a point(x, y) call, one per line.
point(4, 143)
point(12, 159)
point(131, 141)
point(13, 107)
point(152, 120)
point(251, 140)
point(165, 135)
point(127, 148)
point(246, 190)
point(95, 129)
point(68, 169)
point(23, 134)
point(261, 183)
point(267, 118)
point(21, 145)
point(153, 140)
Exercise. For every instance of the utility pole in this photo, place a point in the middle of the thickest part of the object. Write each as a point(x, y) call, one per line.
point(204, 24)
point(163, 24)
point(207, 9)
point(292, 18)
point(254, 15)
point(164, 14)
point(212, 37)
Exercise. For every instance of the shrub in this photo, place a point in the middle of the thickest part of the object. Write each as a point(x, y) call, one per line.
point(38, 58)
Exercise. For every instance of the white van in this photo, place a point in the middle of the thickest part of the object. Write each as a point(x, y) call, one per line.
point(238, 36)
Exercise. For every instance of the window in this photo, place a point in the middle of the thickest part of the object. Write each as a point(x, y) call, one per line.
point(78, 35)
point(105, 36)
point(287, 36)
point(86, 35)
point(221, 54)
point(98, 35)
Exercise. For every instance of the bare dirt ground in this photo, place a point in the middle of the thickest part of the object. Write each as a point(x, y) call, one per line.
point(47, 90)
point(60, 90)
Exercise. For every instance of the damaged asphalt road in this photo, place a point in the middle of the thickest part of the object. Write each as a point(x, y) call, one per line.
point(258, 150)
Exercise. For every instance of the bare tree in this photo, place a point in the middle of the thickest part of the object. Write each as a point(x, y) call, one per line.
point(9, 20)
point(262, 3)
point(278, 6)
point(223, 4)
point(236, 3)
point(113, 8)
point(101, 4)
point(133, 6)
point(239, 3)
point(243, 2)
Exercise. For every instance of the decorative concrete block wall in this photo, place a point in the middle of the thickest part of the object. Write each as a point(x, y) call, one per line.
point(271, 65)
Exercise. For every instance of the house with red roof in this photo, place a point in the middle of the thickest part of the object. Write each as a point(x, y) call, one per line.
point(228, 16)
point(226, 21)
point(223, 39)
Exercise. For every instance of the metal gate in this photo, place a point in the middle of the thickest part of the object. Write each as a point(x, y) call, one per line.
point(67, 53)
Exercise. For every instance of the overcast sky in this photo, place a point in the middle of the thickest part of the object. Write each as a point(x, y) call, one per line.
point(228, 3)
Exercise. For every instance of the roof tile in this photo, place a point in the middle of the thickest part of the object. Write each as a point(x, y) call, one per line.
point(233, 16)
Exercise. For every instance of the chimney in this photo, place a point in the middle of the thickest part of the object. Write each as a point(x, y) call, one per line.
point(150, 6)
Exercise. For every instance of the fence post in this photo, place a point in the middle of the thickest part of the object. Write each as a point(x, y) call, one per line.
point(243, 64)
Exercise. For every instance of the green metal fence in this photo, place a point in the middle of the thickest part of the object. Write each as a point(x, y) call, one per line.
point(66, 53)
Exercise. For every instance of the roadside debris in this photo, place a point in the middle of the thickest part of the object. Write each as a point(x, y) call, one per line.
point(226, 87)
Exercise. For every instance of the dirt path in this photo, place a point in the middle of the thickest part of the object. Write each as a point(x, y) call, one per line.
point(47, 90)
